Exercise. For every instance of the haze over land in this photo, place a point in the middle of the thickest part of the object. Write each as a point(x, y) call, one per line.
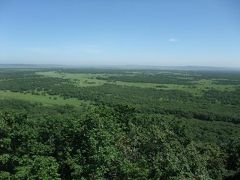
point(153, 33)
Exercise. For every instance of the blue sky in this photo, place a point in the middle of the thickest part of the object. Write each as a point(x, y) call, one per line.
point(124, 32)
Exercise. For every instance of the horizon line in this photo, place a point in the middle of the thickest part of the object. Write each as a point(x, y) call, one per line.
point(172, 67)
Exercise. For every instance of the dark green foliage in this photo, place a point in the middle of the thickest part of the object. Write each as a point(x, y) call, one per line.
point(233, 149)
point(152, 78)
point(100, 145)
point(126, 133)
point(213, 105)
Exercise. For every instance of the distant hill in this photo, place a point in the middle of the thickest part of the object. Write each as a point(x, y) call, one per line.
point(30, 66)
point(138, 67)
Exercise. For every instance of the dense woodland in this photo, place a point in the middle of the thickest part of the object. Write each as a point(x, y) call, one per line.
point(176, 129)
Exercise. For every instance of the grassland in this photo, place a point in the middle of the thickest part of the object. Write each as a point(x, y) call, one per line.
point(81, 80)
point(87, 79)
point(44, 99)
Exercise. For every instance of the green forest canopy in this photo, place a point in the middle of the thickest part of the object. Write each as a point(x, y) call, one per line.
point(119, 124)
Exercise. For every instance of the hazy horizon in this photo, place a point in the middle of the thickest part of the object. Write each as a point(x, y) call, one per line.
point(120, 33)
point(129, 66)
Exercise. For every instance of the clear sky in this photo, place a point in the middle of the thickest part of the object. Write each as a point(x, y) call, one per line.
point(120, 32)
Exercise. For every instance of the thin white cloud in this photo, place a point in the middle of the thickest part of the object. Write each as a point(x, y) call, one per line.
point(172, 40)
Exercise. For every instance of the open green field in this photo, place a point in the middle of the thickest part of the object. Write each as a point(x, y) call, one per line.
point(81, 80)
point(44, 99)
point(88, 80)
